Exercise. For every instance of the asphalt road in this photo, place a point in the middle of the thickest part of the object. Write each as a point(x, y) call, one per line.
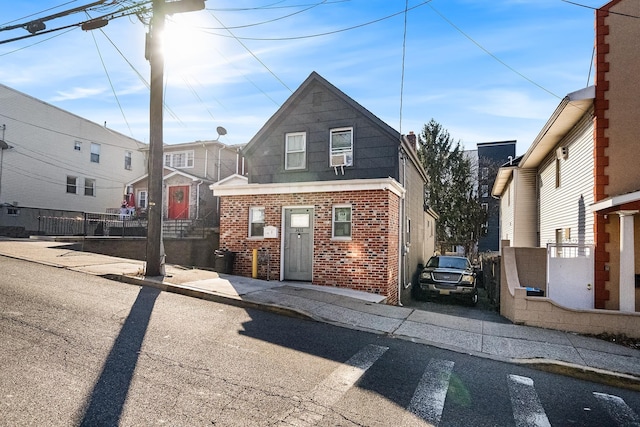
point(82, 350)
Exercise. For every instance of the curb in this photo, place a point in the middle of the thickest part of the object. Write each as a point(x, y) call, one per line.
point(601, 376)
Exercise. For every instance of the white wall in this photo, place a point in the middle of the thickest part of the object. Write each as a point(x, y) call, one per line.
point(568, 205)
point(42, 137)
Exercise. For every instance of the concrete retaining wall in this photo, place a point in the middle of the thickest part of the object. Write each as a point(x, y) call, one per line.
point(519, 266)
point(187, 252)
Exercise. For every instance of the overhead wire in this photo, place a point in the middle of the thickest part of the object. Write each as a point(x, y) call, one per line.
point(327, 33)
point(254, 55)
point(113, 90)
point(485, 50)
point(404, 53)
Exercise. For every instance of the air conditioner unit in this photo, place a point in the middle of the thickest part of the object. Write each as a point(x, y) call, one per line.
point(338, 160)
point(562, 152)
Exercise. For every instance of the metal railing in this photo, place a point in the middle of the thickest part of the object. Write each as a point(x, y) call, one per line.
point(92, 224)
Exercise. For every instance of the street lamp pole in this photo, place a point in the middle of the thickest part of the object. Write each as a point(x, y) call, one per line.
point(155, 252)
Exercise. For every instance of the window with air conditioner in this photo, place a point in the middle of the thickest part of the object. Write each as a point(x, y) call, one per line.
point(341, 150)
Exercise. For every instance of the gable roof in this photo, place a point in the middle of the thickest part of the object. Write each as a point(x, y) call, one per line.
point(315, 78)
point(172, 172)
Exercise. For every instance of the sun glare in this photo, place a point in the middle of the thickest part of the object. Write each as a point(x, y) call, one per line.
point(183, 42)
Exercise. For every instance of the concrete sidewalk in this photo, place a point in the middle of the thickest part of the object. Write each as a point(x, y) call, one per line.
point(561, 352)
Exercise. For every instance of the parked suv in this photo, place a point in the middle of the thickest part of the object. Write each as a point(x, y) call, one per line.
point(449, 276)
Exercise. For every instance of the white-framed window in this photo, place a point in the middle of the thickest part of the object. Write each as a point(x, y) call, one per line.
point(142, 199)
point(484, 190)
point(256, 222)
point(341, 147)
point(127, 160)
point(89, 187)
point(341, 227)
point(179, 159)
point(295, 150)
point(77, 145)
point(72, 184)
point(95, 153)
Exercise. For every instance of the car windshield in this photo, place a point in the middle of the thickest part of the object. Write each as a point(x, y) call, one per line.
point(448, 262)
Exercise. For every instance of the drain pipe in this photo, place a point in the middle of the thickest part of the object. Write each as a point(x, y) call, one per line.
point(401, 228)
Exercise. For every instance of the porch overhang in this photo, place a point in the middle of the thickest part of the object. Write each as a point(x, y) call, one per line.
point(615, 201)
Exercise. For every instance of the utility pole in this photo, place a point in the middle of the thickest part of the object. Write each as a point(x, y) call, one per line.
point(155, 247)
point(155, 250)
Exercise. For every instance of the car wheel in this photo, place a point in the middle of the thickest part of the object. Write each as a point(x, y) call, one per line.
point(474, 299)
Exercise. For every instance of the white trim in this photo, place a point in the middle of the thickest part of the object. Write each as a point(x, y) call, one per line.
point(389, 184)
point(288, 151)
point(251, 208)
point(333, 222)
point(615, 201)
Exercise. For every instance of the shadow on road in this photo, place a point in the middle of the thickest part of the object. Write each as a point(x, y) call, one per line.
point(109, 395)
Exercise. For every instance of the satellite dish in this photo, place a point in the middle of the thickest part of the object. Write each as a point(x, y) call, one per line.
point(221, 131)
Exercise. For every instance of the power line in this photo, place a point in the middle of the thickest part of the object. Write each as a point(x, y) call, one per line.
point(254, 56)
point(375, 21)
point(598, 8)
point(113, 90)
point(491, 54)
point(404, 52)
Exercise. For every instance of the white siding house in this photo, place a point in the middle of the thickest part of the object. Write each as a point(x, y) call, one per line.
point(545, 196)
point(566, 188)
point(53, 159)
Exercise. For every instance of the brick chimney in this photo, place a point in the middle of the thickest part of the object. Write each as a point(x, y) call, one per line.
point(413, 141)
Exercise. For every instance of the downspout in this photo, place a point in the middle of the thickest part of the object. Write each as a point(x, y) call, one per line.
point(206, 160)
point(219, 162)
point(218, 180)
point(401, 227)
point(198, 199)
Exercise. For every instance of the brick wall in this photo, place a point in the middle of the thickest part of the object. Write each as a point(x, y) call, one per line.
point(368, 262)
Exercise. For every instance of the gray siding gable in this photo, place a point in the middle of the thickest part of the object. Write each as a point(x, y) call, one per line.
point(314, 108)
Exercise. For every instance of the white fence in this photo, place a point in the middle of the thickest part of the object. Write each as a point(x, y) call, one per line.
point(570, 270)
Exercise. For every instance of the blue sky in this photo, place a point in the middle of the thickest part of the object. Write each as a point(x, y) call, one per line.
point(486, 70)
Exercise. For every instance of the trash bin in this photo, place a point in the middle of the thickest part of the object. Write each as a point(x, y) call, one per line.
point(223, 262)
point(534, 292)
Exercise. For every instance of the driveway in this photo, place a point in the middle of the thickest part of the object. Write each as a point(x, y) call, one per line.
point(482, 311)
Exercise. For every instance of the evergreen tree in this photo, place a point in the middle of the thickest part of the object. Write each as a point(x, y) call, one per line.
point(451, 189)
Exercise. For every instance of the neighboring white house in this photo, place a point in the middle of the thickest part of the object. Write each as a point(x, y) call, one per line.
point(53, 159)
point(545, 195)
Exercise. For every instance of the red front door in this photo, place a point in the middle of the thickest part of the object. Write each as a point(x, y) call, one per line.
point(179, 202)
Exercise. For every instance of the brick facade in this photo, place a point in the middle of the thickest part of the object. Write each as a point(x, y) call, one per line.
point(368, 262)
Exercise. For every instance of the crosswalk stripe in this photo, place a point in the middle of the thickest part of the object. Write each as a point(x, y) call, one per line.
point(618, 409)
point(328, 392)
point(427, 402)
point(527, 409)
